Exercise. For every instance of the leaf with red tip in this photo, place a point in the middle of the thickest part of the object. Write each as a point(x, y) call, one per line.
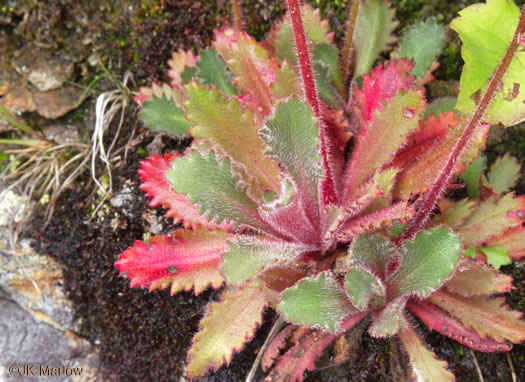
point(491, 218)
point(382, 136)
point(227, 325)
point(427, 158)
point(186, 260)
point(291, 366)
point(153, 175)
point(252, 65)
point(425, 366)
point(223, 122)
point(453, 214)
point(440, 321)
point(512, 240)
point(178, 62)
point(473, 279)
point(489, 317)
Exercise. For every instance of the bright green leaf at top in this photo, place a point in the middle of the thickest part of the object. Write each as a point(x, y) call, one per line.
point(423, 43)
point(486, 31)
point(161, 113)
point(362, 286)
point(472, 176)
point(212, 70)
point(316, 302)
point(210, 184)
point(504, 173)
point(496, 256)
point(426, 262)
point(373, 33)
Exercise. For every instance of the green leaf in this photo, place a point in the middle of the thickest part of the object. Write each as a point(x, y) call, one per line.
point(316, 302)
point(210, 184)
point(161, 113)
point(389, 320)
point(426, 262)
point(247, 255)
point(291, 136)
point(328, 55)
point(223, 122)
point(325, 87)
point(423, 43)
point(187, 74)
point(373, 33)
point(226, 327)
point(213, 71)
point(496, 256)
point(287, 82)
point(372, 252)
point(362, 286)
point(504, 173)
point(470, 252)
point(486, 31)
point(441, 105)
point(472, 176)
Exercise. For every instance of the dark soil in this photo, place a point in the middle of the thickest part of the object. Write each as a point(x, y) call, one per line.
point(144, 336)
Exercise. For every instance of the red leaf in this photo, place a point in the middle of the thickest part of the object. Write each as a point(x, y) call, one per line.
point(179, 208)
point(186, 260)
point(438, 320)
point(513, 240)
point(291, 366)
point(275, 347)
point(382, 85)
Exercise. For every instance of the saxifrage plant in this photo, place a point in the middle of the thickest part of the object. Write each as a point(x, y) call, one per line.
point(319, 200)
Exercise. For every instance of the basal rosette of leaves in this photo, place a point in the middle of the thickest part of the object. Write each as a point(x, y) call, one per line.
point(283, 178)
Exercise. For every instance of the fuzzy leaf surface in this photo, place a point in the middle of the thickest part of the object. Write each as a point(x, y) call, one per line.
point(246, 256)
point(179, 62)
point(153, 175)
point(210, 184)
point(373, 33)
point(223, 122)
point(185, 261)
point(227, 325)
point(490, 317)
point(379, 140)
point(453, 214)
point(328, 55)
point(486, 31)
point(213, 71)
point(425, 365)
point(362, 286)
point(161, 113)
point(504, 173)
point(442, 322)
point(426, 262)
point(491, 218)
point(372, 252)
point(422, 42)
point(388, 321)
point(318, 302)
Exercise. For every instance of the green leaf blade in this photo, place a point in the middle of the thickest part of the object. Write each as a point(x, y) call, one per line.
point(161, 113)
point(212, 70)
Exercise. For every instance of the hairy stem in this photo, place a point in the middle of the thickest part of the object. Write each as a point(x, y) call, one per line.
point(237, 15)
point(347, 57)
point(305, 62)
point(429, 199)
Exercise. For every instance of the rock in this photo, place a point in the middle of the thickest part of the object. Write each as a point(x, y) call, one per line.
point(62, 134)
point(125, 200)
point(26, 341)
point(53, 104)
point(19, 99)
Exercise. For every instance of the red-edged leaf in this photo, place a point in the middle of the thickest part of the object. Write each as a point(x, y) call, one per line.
point(426, 366)
point(383, 132)
point(398, 212)
point(512, 240)
point(186, 260)
point(489, 317)
point(292, 365)
point(178, 62)
point(438, 320)
point(227, 325)
point(152, 173)
point(453, 214)
point(273, 350)
point(252, 65)
point(492, 218)
point(473, 279)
